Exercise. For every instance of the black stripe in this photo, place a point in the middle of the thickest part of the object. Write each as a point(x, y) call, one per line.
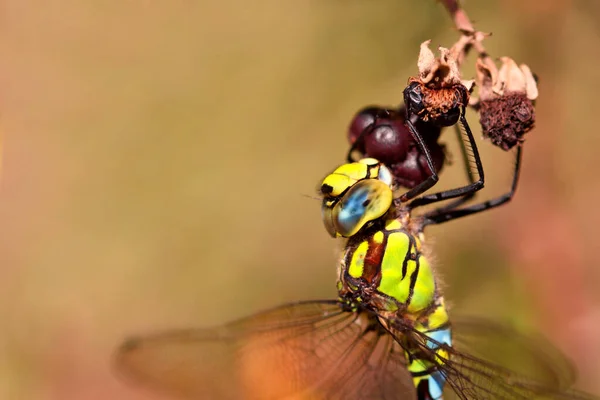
point(413, 280)
point(426, 372)
point(408, 256)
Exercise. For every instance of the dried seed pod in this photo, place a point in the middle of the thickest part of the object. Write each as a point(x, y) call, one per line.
point(506, 119)
point(506, 101)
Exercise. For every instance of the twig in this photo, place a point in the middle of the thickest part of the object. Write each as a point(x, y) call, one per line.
point(466, 28)
point(461, 20)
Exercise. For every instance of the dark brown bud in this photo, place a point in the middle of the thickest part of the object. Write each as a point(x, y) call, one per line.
point(506, 101)
point(506, 119)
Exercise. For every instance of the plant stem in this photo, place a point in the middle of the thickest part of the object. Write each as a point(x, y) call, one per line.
point(463, 24)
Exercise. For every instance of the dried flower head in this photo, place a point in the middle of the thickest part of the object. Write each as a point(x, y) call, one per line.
point(438, 94)
point(506, 101)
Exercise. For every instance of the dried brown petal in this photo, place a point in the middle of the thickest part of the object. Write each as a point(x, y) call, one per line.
point(459, 49)
point(438, 72)
point(510, 78)
point(426, 62)
point(469, 85)
point(487, 75)
point(531, 83)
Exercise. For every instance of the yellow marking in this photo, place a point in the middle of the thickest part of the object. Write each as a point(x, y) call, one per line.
point(338, 183)
point(417, 380)
point(442, 355)
point(355, 171)
point(357, 263)
point(417, 243)
point(433, 321)
point(395, 285)
point(418, 367)
point(373, 167)
point(346, 175)
point(392, 283)
point(393, 224)
point(424, 289)
point(378, 237)
point(436, 319)
point(369, 161)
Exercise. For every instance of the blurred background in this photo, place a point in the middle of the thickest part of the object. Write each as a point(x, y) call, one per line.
point(160, 159)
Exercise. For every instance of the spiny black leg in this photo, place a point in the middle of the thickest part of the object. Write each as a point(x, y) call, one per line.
point(461, 191)
point(437, 217)
point(469, 170)
point(431, 179)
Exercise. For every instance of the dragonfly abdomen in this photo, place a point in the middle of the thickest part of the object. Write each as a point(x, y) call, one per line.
point(427, 376)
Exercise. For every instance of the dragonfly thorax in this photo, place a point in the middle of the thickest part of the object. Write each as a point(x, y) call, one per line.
point(386, 270)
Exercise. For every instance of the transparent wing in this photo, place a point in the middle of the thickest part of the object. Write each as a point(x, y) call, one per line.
point(490, 361)
point(531, 358)
point(307, 350)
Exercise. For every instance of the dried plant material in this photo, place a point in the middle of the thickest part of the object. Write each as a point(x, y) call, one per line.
point(426, 62)
point(441, 106)
point(514, 78)
point(531, 88)
point(438, 72)
point(506, 109)
point(506, 120)
point(469, 85)
point(437, 94)
point(486, 76)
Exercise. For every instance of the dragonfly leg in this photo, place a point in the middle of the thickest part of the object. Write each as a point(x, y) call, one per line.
point(443, 215)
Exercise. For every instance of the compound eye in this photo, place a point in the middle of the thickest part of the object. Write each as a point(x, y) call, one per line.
point(327, 216)
point(366, 201)
point(385, 175)
point(413, 97)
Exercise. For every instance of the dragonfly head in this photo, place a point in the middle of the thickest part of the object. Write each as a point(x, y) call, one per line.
point(354, 195)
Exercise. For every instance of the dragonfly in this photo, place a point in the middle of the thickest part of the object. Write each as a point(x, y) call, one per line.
point(407, 138)
point(387, 336)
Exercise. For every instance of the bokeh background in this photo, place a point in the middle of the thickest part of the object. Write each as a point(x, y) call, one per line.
point(161, 159)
